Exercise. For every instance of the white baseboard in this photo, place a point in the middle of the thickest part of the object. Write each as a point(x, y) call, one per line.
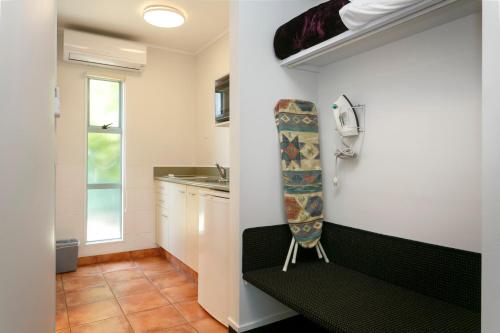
point(261, 321)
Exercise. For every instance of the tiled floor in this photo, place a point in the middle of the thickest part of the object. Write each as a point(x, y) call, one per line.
point(144, 295)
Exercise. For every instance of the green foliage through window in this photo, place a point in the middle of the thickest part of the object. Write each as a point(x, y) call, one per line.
point(104, 103)
point(104, 160)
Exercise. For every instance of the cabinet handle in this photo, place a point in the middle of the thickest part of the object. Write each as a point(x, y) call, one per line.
point(165, 216)
point(181, 191)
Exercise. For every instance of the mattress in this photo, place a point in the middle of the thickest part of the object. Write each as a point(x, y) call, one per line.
point(310, 28)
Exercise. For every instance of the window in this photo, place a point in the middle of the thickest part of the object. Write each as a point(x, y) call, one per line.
point(104, 159)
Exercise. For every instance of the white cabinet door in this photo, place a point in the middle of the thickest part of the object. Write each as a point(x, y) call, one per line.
point(157, 224)
point(163, 228)
point(192, 227)
point(161, 214)
point(213, 264)
point(177, 220)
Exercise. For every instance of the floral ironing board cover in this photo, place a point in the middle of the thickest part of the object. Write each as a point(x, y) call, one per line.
point(297, 123)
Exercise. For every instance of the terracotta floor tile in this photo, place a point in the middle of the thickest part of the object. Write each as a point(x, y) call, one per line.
point(209, 325)
point(152, 274)
point(141, 302)
point(88, 295)
point(130, 287)
point(156, 319)
point(168, 279)
point(181, 293)
point(111, 325)
point(123, 275)
point(176, 329)
point(82, 282)
point(87, 313)
point(84, 270)
point(60, 301)
point(154, 264)
point(59, 286)
point(61, 319)
point(116, 265)
point(191, 311)
point(89, 305)
point(64, 330)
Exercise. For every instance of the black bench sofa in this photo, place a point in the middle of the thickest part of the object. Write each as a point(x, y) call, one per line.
point(374, 283)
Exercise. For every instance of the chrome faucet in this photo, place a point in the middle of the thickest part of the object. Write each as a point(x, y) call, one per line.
point(222, 172)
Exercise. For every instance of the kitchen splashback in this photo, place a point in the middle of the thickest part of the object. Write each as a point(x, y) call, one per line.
point(178, 171)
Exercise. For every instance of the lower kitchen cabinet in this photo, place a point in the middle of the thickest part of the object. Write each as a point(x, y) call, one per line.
point(162, 227)
point(177, 221)
point(161, 215)
point(192, 217)
point(192, 224)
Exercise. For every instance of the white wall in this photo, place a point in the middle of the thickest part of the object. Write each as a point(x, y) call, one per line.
point(418, 174)
point(490, 167)
point(257, 83)
point(27, 81)
point(159, 131)
point(212, 143)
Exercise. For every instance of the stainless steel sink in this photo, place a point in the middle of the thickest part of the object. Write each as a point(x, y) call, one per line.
point(213, 180)
point(204, 181)
point(188, 177)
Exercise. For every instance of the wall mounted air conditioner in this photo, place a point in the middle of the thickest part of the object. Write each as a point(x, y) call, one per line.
point(96, 50)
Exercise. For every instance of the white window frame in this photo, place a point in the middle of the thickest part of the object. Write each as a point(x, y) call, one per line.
point(111, 130)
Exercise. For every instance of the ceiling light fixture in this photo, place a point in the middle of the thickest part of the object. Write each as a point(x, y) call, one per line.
point(164, 16)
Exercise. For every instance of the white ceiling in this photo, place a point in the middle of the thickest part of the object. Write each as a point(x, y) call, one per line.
point(206, 20)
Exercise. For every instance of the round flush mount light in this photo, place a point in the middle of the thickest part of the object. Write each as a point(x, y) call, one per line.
point(164, 16)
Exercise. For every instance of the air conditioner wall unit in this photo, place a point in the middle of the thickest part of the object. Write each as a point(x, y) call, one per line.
point(96, 50)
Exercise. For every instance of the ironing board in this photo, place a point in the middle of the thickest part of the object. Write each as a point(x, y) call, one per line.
point(297, 124)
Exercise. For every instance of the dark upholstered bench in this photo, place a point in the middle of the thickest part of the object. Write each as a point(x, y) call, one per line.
point(374, 283)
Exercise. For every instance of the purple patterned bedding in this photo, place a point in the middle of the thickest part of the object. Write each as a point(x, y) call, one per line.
point(310, 28)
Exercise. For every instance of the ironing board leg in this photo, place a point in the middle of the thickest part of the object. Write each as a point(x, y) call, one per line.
point(319, 252)
point(324, 253)
point(285, 267)
point(294, 258)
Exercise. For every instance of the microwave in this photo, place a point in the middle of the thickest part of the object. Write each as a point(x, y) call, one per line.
point(222, 99)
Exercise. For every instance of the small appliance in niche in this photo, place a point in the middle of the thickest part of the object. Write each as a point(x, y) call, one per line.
point(222, 99)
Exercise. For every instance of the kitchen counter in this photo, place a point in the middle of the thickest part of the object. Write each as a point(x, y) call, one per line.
point(209, 182)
